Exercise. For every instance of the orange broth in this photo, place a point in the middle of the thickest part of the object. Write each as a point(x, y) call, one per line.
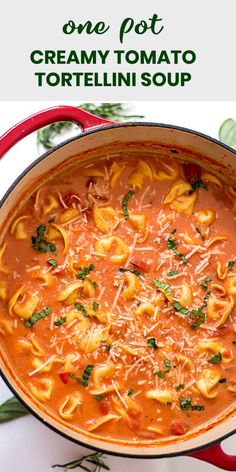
point(135, 331)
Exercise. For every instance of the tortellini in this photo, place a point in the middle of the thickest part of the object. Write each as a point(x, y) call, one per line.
point(69, 406)
point(162, 396)
point(42, 389)
point(104, 217)
point(218, 309)
point(179, 197)
point(186, 296)
point(137, 177)
point(205, 217)
point(116, 170)
point(115, 244)
point(207, 381)
point(132, 287)
point(51, 204)
point(96, 424)
point(18, 228)
point(23, 303)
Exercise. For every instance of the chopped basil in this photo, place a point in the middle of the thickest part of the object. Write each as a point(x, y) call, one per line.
point(204, 284)
point(199, 231)
point(82, 309)
point(186, 404)
point(125, 202)
point(169, 403)
point(60, 321)
point(173, 231)
point(196, 184)
point(222, 381)
point(160, 374)
point(130, 392)
point(216, 359)
point(230, 265)
point(95, 306)
point(171, 273)
point(167, 365)
point(37, 316)
point(99, 398)
point(171, 244)
point(179, 387)
point(52, 262)
point(197, 315)
point(181, 309)
point(234, 343)
point(40, 243)
point(152, 342)
point(85, 377)
point(133, 271)
point(83, 273)
point(163, 285)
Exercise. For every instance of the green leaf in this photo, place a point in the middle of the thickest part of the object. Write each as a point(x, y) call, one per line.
point(83, 273)
point(95, 306)
point(60, 321)
point(179, 387)
point(181, 309)
point(12, 409)
point(99, 398)
point(160, 374)
point(227, 133)
point(196, 184)
point(204, 284)
point(216, 359)
point(125, 202)
point(40, 243)
point(133, 271)
point(52, 262)
point(153, 343)
point(230, 265)
point(171, 244)
point(37, 316)
point(171, 273)
point(163, 285)
point(167, 365)
point(81, 308)
point(130, 392)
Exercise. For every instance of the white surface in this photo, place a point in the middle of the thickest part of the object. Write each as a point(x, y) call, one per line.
point(26, 445)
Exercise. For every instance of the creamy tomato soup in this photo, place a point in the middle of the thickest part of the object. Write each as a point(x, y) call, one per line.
point(117, 295)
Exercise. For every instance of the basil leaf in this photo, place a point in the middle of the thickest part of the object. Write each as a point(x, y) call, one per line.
point(83, 273)
point(171, 244)
point(163, 285)
point(153, 343)
point(60, 321)
point(12, 409)
point(82, 309)
point(125, 202)
point(216, 359)
point(37, 316)
point(52, 262)
point(227, 133)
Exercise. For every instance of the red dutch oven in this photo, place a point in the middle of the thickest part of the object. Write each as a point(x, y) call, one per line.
point(98, 137)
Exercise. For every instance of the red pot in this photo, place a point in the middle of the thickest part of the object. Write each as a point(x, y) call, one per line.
point(97, 135)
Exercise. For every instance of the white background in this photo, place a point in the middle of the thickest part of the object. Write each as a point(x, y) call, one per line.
point(25, 444)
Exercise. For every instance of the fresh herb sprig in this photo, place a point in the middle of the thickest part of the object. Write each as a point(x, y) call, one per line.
point(110, 111)
point(125, 202)
point(12, 409)
point(96, 459)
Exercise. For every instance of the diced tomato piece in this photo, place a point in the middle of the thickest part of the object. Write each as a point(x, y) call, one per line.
point(191, 171)
point(134, 423)
point(104, 406)
point(70, 198)
point(140, 265)
point(134, 413)
point(178, 428)
point(222, 331)
point(227, 354)
point(64, 376)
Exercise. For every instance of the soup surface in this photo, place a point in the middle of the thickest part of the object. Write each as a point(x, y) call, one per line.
point(117, 295)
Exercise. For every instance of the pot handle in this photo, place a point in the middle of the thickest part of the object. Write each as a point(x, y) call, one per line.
point(86, 121)
point(216, 456)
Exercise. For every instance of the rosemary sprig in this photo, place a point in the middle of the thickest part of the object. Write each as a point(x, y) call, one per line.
point(84, 463)
point(110, 111)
